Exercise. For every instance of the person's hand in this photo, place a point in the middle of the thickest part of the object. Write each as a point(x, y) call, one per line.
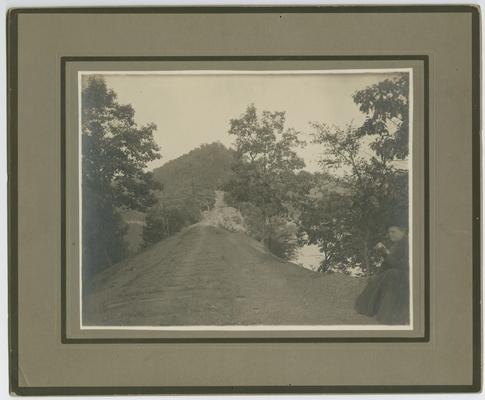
point(381, 248)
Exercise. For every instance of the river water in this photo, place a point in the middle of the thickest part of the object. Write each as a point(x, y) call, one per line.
point(309, 257)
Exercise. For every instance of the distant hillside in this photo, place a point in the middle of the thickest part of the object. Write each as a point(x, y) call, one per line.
point(189, 184)
point(196, 174)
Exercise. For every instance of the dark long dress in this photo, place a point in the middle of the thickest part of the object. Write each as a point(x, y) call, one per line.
point(386, 295)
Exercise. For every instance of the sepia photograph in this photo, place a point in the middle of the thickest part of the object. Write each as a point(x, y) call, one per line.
point(246, 199)
point(252, 199)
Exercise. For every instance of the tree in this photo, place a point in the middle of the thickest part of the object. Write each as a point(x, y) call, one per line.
point(163, 220)
point(155, 227)
point(265, 159)
point(323, 222)
point(386, 107)
point(115, 153)
point(362, 160)
point(265, 164)
point(161, 223)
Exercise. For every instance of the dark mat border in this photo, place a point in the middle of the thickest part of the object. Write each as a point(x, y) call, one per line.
point(295, 339)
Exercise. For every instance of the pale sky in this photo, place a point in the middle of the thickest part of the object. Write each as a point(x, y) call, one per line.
point(190, 110)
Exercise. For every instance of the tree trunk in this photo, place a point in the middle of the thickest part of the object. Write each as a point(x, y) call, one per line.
point(366, 257)
point(108, 259)
point(365, 253)
point(264, 225)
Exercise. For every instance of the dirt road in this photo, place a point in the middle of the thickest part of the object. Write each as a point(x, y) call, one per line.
point(208, 276)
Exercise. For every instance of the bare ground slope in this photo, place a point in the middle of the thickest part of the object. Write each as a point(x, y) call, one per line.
point(206, 275)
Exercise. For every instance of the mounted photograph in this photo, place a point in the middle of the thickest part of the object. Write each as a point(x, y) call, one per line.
point(246, 199)
point(241, 200)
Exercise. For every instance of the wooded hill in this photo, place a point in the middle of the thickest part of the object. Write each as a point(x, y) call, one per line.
point(188, 186)
point(196, 174)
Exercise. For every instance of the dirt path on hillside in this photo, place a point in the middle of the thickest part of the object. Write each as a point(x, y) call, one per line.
point(208, 276)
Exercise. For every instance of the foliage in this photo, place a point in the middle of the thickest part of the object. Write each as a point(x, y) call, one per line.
point(281, 238)
point(347, 225)
point(323, 223)
point(115, 153)
point(264, 170)
point(253, 217)
point(277, 233)
point(161, 223)
point(386, 107)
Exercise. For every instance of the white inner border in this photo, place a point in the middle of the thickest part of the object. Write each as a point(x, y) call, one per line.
point(257, 327)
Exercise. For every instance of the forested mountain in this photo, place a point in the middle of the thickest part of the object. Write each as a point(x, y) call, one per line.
point(188, 184)
point(196, 174)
